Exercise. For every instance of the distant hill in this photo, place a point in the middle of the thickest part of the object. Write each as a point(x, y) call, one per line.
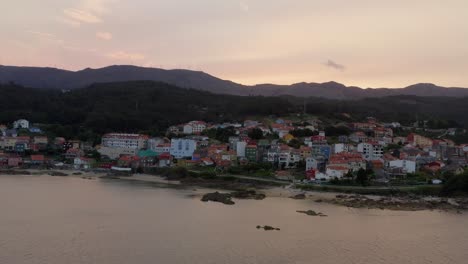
point(53, 78)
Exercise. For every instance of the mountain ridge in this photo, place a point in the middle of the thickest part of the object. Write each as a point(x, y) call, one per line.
point(54, 78)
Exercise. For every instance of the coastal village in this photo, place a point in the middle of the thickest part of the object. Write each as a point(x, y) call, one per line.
point(278, 148)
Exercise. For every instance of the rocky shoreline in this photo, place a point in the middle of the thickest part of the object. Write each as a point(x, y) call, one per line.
point(399, 203)
point(226, 198)
point(15, 172)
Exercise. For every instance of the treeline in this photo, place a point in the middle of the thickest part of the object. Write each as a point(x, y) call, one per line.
point(152, 107)
point(442, 112)
point(142, 106)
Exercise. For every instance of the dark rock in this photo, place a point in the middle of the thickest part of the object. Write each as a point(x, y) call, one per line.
point(248, 194)
point(15, 172)
point(300, 196)
point(318, 200)
point(224, 198)
point(77, 173)
point(110, 177)
point(57, 173)
point(312, 213)
point(268, 228)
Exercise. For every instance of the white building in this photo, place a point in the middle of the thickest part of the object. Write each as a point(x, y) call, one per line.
point(311, 163)
point(163, 148)
point(332, 172)
point(322, 176)
point(464, 147)
point(194, 127)
point(182, 148)
point(240, 148)
point(371, 150)
point(154, 142)
point(121, 140)
point(282, 132)
point(81, 163)
point(336, 172)
point(408, 166)
point(341, 147)
point(288, 159)
point(21, 123)
point(272, 156)
point(116, 144)
point(251, 123)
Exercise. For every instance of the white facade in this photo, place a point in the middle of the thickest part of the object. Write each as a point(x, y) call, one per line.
point(322, 177)
point(465, 148)
point(233, 142)
point(80, 163)
point(21, 123)
point(289, 159)
point(240, 148)
point(182, 148)
point(154, 142)
point(126, 141)
point(282, 132)
point(331, 173)
point(194, 127)
point(335, 173)
point(115, 153)
point(408, 166)
point(162, 148)
point(311, 163)
point(187, 129)
point(272, 156)
point(164, 163)
point(340, 147)
point(371, 151)
point(116, 144)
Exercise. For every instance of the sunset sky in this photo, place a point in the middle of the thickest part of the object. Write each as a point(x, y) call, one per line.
point(369, 43)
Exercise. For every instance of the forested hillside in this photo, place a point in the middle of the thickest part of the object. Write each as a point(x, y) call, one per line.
point(151, 107)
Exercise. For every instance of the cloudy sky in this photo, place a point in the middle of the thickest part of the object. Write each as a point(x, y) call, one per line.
point(370, 43)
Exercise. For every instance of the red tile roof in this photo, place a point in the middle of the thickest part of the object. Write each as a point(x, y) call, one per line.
point(345, 157)
point(37, 157)
point(337, 167)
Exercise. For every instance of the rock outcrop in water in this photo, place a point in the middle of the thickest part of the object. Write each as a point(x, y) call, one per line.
point(312, 213)
point(224, 198)
point(268, 228)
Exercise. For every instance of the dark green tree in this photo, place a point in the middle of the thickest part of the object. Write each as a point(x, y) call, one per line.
point(362, 177)
point(255, 133)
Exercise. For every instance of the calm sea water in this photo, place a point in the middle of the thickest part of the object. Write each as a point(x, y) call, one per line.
point(55, 220)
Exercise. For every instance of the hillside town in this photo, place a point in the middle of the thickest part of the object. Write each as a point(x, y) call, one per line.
point(279, 148)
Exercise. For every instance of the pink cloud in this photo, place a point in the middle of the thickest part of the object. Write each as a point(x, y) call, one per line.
point(104, 35)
